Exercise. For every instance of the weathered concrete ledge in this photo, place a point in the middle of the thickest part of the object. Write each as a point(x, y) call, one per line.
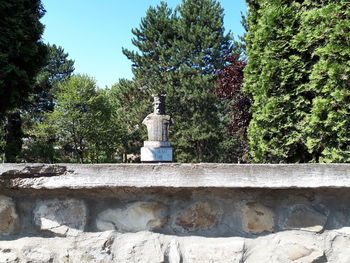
point(175, 213)
point(85, 176)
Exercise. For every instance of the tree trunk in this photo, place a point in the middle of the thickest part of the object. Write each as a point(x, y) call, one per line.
point(13, 136)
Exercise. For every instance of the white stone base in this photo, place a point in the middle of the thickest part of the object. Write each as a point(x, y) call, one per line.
point(156, 154)
point(155, 144)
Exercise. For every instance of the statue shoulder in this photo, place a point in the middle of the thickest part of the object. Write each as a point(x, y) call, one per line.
point(168, 119)
point(147, 118)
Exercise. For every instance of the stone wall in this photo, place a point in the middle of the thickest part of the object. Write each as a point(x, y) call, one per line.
point(130, 213)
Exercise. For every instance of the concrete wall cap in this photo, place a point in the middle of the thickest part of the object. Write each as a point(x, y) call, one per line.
point(173, 175)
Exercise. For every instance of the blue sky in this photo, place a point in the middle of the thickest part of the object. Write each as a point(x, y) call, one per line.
point(94, 32)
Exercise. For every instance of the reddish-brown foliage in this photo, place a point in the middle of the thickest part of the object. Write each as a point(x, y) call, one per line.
point(229, 87)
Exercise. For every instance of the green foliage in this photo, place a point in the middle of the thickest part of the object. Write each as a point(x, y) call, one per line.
point(22, 53)
point(58, 67)
point(82, 120)
point(298, 76)
point(179, 54)
point(39, 137)
point(39, 145)
point(104, 135)
point(154, 39)
point(131, 103)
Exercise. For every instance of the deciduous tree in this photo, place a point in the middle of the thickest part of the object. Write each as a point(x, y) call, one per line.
point(235, 110)
point(82, 120)
point(131, 103)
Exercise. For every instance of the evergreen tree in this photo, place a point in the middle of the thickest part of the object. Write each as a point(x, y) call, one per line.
point(180, 55)
point(325, 37)
point(154, 40)
point(39, 136)
point(202, 46)
point(22, 54)
point(298, 77)
point(58, 67)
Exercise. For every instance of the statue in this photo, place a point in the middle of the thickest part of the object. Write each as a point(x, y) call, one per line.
point(157, 122)
point(157, 148)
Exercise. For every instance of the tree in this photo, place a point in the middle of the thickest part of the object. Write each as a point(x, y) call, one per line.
point(298, 77)
point(39, 142)
point(82, 120)
point(2, 141)
point(22, 54)
point(325, 37)
point(58, 67)
point(236, 105)
point(13, 136)
point(180, 55)
point(39, 136)
point(154, 39)
point(131, 103)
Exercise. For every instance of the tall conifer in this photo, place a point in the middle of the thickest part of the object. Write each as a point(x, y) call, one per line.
point(298, 75)
point(180, 55)
point(22, 54)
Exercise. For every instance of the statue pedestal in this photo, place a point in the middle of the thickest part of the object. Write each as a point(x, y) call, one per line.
point(155, 151)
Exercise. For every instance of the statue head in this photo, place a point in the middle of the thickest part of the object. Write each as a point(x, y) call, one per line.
point(159, 104)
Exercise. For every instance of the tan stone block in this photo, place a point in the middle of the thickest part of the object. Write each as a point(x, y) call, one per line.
point(199, 216)
point(257, 218)
point(296, 251)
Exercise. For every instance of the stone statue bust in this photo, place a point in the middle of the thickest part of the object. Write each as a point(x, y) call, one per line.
point(158, 122)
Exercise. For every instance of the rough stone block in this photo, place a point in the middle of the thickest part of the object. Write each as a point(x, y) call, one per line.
point(138, 247)
point(199, 216)
point(8, 216)
point(301, 254)
point(218, 250)
point(85, 248)
point(135, 217)
point(304, 217)
point(286, 247)
point(257, 218)
point(173, 253)
point(38, 254)
point(91, 247)
point(62, 217)
point(8, 256)
point(338, 250)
